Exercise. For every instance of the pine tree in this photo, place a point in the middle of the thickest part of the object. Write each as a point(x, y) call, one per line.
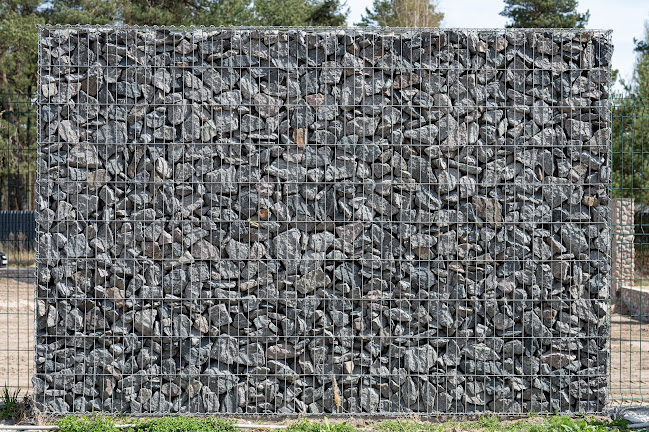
point(328, 13)
point(281, 12)
point(379, 15)
point(164, 12)
point(640, 80)
point(630, 132)
point(299, 13)
point(18, 45)
point(81, 11)
point(18, 58)
point(544, 14)
point(229, 12)
point(402, 13)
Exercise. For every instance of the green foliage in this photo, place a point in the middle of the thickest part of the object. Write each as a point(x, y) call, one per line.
point(544, 14)
point(81, 12)
point(631, 134)
point(304, 425)
point(567, 424)
point(379, 14)
point(229, 12)
point(491, 423)
point(161, 424)
point(163, 12)
point(487, 423)
point(299, 13)
point(9, 404)
point(330, 13)
point(402, 13)
point(630, 144)
point(281, 12)
point(640, 81)
point(186, 424)
point(18, 48)
point(86, 424)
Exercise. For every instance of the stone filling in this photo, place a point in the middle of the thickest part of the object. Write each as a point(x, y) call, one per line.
point(335, 221)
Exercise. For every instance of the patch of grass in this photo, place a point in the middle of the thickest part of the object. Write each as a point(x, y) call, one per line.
point(9, 404)
point(186, 424)
point(491, 423)
point(487, 423)
point(567, 424)
point(161, 424)
point(87, 424)
point(305, 425)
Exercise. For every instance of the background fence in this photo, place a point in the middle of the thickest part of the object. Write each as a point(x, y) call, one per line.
point(17, 233)
point(630, 252)
point(630, 311)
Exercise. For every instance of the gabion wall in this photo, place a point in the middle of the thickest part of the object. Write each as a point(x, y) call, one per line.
point(322, 221)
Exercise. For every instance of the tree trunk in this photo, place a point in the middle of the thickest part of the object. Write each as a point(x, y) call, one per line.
point(17, 192)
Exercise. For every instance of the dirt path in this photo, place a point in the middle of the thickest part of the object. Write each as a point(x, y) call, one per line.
point(16, 333)
point(629, 360)
point(629, 346)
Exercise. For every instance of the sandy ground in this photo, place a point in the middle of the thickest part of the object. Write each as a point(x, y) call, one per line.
point(16, 333)
point(629, 347)
point(629, 361)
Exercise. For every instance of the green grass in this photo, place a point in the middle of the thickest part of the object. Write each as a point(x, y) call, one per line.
point(304, 425)
point(186, 424)
point(9, 404)
point(87, 424)
point(161, 424)
point(567, 424)
point(486, 423)
point(490, 423)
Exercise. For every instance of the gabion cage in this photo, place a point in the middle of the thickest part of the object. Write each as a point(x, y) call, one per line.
point(285, 221)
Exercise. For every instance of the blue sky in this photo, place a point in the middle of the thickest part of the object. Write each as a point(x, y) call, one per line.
point(627, 19)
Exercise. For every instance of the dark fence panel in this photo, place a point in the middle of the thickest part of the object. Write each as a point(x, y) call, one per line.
point(19, 228)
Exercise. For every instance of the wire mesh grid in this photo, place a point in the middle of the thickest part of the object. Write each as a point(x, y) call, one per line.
point(17, 236)
point(630, 298)
point(284, 221)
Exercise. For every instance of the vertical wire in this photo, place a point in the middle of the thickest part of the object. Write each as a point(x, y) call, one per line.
point(38, 395)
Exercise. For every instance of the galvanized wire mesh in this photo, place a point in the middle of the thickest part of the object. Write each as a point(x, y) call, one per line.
point(284, 221)
point(630, 314)
point(17, 235)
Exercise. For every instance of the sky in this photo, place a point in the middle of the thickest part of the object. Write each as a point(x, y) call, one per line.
point(626, 18)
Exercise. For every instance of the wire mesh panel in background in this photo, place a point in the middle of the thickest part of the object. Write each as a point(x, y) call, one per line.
point(630, 229)
point(17, 237)
point(284, 221)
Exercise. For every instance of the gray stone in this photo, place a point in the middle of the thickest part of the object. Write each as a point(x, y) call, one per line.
point(573, 238)
point(312, 281)
point(68, 132)
point(420, 359)
point(287, 248)
point(237, 251)
point(448, 180)
point(83, 155)
point(144, 321)
point(77, 247)
point(369, 399)
point(162, 79)
point(219, 315)
point(254, 221)
point(578, 130)
point(534, 327)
